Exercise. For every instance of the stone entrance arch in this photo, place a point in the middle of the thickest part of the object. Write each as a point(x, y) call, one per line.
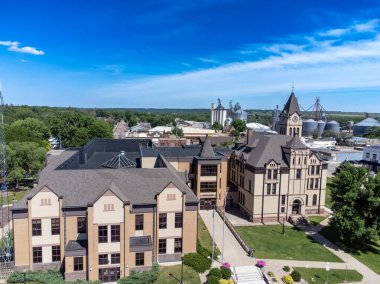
point(296, 207)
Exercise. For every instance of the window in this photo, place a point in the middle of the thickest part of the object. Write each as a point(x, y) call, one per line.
point(115, 233)
point(283, 198)
point(45, 202)
point(314, 199)
point(139, 222)
point(274, 174)
point(170, 196)
point(81, 225)
point(139, 259)
point(102, 234)
point(312, 170)
point(250, 186)
point(109, 207)
point(269, 174)
point(55, 226)
point(304, 161)
point(318, 169)
point(162, 246)
point(103, 259)
point(274, 188)
point(78, 263)
point(299, 161)
point(162, 221)
point(209, 170)
point(294, 161)
point(178, 245)
point(208, 186)
point(374, 156)
point(268, 188)
point(36, 227)
point(311, 184)
point(55, 253)
point(282, 209)
point(298, 174)
point(178, 220)
point(307, 200)
point(115, 258)
point(367, 155)
point(316, 184)
point(37, 255)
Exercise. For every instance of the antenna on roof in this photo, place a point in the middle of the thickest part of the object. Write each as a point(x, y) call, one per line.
point(292, 87)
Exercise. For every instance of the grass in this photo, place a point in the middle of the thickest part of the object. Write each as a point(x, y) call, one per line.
point(335, 276)
point(315, 220)
point(204, 236)
point(269, 242)
point(328, 200)
point(13, 195)
point(370, 255)
point(190, 276)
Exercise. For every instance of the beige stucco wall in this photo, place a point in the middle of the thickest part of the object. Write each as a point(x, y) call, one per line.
point(40, 211)
point(148, 162)
point(21, 241)
point(108, 217)
point(166, 205)
point(190, 225)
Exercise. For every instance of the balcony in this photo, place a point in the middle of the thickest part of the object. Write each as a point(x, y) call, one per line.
point(140, 244)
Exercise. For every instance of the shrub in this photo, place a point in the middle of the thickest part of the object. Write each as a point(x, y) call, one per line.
point(202, 250)
point(286, 268)
point(198, 262)
point(274, 280)
point(215, 272)
point(296, 276)
point(287, 279)
point(44, 277)
point(270, 274)
point(225, 281)
point(212, 280)
point(142, 277)
point(226, 273)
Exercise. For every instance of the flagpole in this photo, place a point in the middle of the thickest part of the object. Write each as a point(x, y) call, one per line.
point(224, 223)
point(213, 231)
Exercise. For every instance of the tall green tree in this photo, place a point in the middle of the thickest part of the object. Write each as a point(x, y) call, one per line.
point(356, 197)
point(217, 126)
point(239, 125)
point(177, 131)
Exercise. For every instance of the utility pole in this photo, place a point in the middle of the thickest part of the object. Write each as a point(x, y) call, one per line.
point(213, 231)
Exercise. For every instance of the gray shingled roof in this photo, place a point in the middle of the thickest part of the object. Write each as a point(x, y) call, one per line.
point(119, 161)
point(80, 187)
point(262, 148)
point(207, 151)
point(291, 105)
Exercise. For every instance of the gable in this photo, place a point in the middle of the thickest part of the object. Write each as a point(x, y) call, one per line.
point(45, 203)
point(170, 199)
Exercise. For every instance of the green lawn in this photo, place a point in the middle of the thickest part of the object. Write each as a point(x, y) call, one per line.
point(328, 201)
point(335, 276)
point(269, 242)
point(315, 220)
point(190, 276)
point(13, 195)
point(369, 256)
point(204, 236)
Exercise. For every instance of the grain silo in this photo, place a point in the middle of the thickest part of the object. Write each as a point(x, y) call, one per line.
point(320, 127)
point(309, 127)
point(363, 126)
point(333, 127)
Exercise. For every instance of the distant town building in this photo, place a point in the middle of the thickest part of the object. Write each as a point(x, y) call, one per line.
point(226, 116)
point(371, 158)
point(290, 119)
point(362, 127)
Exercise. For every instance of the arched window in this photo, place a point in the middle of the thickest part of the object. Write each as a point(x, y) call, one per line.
point(290, 131)
point(314, 199)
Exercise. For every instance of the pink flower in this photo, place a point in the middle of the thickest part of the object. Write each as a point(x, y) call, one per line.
point(226, 265)
point(261, 263)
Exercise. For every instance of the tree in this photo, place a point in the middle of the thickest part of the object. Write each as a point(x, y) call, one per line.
point(239, 125)
point(356, 198)
point(177, 131)
point(16, 175)
point(217, 126)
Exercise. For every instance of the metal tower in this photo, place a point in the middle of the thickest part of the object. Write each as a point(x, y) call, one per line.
point(5, 246)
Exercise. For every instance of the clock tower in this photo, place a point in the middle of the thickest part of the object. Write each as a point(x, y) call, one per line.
point(290, 118)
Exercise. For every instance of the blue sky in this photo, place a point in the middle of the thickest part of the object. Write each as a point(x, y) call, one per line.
point(184, 54)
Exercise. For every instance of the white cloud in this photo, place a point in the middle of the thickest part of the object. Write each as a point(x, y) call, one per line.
point(208, 60)
point(334, 32)
point(369, 26)
point(363, 27)
point(15, 46)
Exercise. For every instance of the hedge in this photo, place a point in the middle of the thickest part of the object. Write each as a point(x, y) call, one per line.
point(226, 273)
point(212, 280)
point(44, 277)
point(142, 277)
point(296, 276)
point(198, 262)
point(215, 272)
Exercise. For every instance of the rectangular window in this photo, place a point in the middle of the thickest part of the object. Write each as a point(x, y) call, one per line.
point(162, 221)
point(78, 263)
point(316, 184)
point(37, 255)
point(209, 186)
point(102, 234)
point(139, 259)
point(282, 209)
point(115, 258)
point(81, 225)
point(311, 183)
point(162, 246)
point(318, 169)
point(139, 222)
point(367, 155)
point(268, 188)
point(178, 245)
point(269, 174)
point(283, 198)
point(115, 233)
point(312, 170)
point(274, 174)
point(274, 188)
point(55, 226)
point(103, 259)
point(178, 220)
point(36, 227)
point(298, 174)
point(55, 253)
point(374, 156)
point(209, 170)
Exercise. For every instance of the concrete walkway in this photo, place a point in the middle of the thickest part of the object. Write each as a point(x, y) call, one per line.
point(236, 256)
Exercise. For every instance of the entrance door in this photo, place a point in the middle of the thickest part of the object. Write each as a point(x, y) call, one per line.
point(296, 207)
point(207, 203)
point(109, 274)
